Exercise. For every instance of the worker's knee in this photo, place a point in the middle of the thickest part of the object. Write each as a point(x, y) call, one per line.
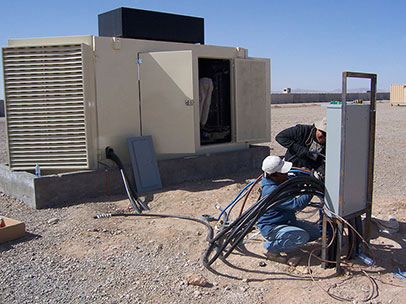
point(287, 240)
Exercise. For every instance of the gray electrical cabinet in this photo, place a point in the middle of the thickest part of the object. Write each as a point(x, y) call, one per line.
point(347, 159)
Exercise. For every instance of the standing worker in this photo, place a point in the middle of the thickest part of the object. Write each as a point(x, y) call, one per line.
point(279, 226)
point(304, 144)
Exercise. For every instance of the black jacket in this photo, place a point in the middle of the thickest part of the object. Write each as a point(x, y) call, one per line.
point(297, 140)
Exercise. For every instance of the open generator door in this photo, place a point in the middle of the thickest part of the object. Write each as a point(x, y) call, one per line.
point(167, 107)
point(252, 100)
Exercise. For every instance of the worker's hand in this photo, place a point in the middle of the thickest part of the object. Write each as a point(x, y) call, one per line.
point(301, 151)
point(317, 175)
point(312, 155)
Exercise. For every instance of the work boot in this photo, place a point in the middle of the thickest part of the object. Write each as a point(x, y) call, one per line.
point(276, 257)
point(294, 261)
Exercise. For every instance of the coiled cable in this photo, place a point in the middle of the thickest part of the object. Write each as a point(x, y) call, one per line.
point(234, 233)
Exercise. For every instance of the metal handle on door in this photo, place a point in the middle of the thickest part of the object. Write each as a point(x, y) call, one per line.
point(189, 102)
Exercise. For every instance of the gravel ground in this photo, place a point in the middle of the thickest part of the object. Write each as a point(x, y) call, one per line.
point(69, 257)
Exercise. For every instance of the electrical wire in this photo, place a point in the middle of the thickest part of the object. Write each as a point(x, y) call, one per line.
point(372, 292)
point(302, 170)
point(399, 274)
point(234, 233)
point(354, 230)
point(248, 193)
point(373, 289)
point(210, 229)
point(293, 170)
point(236, 199)
point(133, 197)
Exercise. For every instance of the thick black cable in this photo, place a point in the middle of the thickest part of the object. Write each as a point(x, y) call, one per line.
point(135, 201)
point(129, 194)
point(253, 209)
point(285, 185)
point(210, 229)
point(237, 230)
point(284, 195)
point(243, 229)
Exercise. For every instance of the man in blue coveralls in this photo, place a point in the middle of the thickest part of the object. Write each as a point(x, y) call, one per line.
point(279, 226)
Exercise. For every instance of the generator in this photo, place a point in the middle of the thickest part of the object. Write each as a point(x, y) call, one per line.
point(68, 98)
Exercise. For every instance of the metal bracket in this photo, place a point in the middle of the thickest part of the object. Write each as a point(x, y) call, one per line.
point(189, 102)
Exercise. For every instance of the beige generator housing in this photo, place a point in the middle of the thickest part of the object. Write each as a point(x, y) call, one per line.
point(68, 98)
point(397, 94)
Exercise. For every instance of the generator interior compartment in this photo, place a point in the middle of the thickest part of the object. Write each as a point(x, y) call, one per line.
point(214, 76)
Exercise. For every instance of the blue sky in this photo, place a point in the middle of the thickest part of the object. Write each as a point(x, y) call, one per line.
point(310, 43)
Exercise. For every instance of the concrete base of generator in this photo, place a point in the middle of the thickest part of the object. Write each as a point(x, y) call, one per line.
point(57, 190)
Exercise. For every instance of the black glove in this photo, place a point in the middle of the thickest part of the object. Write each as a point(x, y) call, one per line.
point(317, 175)
point(312, 155)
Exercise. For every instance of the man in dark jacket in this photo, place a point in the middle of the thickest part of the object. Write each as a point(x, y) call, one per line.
point(304, 144)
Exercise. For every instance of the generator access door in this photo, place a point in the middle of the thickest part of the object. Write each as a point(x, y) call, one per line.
point(166, 98)
point(252, 100)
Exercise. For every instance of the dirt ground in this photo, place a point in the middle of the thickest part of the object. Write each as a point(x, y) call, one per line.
point(243, 277)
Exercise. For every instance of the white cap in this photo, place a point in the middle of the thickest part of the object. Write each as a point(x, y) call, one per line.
point(272, 164)
point(321, 124)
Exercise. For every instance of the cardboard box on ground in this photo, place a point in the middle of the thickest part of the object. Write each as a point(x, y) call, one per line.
point(11, 230)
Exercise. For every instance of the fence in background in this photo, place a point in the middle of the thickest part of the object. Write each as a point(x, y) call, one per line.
point(281, 98)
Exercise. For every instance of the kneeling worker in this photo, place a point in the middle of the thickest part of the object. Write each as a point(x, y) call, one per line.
point(279, 226)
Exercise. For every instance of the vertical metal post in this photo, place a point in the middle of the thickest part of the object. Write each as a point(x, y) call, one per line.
point(339, 241)
point(324, 242)
point(343, 137)
point(342, 166)
point(371, 157)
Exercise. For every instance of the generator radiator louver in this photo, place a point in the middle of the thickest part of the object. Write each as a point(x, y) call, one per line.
point(45, 107)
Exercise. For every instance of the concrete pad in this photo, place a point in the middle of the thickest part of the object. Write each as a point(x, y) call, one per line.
point(56, 190)
point(19, 185)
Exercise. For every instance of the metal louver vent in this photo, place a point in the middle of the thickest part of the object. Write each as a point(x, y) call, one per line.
point(45, 107)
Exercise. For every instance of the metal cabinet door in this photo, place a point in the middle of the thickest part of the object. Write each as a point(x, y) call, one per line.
point(252, 100)
point(167, 107)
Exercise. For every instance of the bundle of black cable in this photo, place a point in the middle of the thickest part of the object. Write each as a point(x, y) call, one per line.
point(231, 236)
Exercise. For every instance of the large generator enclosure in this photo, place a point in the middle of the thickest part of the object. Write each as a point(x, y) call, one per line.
point(397, 94)
point(68, 98)
point(348, 195)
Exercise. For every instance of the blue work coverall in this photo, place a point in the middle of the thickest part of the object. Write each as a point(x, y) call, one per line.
point(279, 226)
